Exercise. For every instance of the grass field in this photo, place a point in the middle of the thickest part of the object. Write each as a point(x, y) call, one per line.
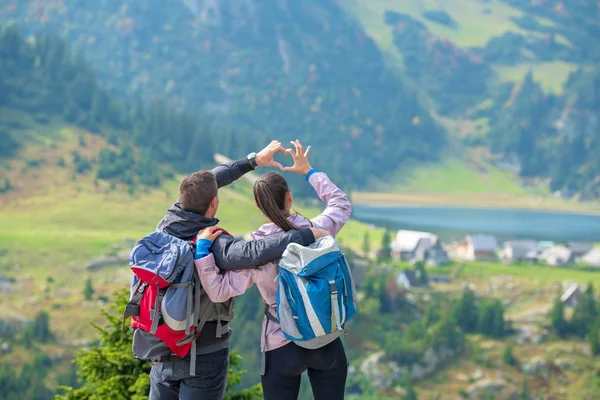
point(464, 182)
point(475, 27)
point(551, 75)
point(531, 274)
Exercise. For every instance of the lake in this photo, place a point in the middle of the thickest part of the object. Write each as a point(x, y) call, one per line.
point(453, 223)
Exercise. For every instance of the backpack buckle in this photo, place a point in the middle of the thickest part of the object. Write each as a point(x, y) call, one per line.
point(142, 287)
point(333, 287)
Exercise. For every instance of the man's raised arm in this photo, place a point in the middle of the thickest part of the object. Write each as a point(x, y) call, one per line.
point(233, 254)
point(234, 170)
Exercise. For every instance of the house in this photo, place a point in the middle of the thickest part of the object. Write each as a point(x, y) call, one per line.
point(591, 258)
point(579, 249)
point(478, 247)
point(517, 250)
point(571, 296)
point(409, 279)
point(413, 246)
point(440, 279)
point(556, 255)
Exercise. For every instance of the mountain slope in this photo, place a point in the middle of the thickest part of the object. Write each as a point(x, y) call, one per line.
point(269, 68)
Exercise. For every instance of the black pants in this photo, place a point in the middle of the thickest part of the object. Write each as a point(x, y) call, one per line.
point(327, 370)
point(171, 380)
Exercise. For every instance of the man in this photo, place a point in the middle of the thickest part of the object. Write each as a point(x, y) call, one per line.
point(196, 209)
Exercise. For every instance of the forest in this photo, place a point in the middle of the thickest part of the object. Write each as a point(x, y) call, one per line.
point(286, 77)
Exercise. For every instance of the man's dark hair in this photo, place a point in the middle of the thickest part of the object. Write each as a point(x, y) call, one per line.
point(197, 191)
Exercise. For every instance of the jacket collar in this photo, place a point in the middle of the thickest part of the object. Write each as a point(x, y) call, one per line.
point(184, 224)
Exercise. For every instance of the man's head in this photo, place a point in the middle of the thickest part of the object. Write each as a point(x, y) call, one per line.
point(198, 193)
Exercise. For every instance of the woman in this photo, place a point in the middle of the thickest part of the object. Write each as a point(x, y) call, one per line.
point(285, 361)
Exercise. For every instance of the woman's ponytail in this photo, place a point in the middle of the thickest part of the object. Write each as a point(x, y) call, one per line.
point(270, 193)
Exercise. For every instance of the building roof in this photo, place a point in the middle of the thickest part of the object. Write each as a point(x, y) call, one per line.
point(482, 242)
point(561, 252)
point(580, 247)
point(571, 290)
point(592, 257)
point(522, 244)
point(409, 240)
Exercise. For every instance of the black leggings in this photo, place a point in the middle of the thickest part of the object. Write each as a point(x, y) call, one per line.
point(327, 370)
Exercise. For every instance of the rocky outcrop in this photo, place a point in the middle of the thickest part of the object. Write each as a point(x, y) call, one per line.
point(382, 374)
point(6, 284)
point(485, 388)
point(106, 262)
point(538, 366)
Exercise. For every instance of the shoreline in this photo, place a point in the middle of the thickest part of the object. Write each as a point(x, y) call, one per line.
point(474, 201)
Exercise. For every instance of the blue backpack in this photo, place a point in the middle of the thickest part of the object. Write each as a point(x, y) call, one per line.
point(316, 296)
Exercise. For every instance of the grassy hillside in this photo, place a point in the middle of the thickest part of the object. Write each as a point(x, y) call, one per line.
point(465, 182)
point(475, 26)
point(476, 23)
point(463, 177)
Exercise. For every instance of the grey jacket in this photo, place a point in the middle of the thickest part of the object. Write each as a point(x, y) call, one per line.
point(230, 254)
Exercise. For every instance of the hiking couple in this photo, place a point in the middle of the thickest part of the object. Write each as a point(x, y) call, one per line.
point(226, 267)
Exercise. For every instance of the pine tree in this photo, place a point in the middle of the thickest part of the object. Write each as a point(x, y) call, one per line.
point(88, 289)
point(422, 273)
point(508, 357)
point(524, 395)
point(109, 371)
point(557, 317)
point(585, 313)
point(594, 342)
point(366, 247)
point(466, 312)
point(38, 330)
point(6, 186)
point(385, 253)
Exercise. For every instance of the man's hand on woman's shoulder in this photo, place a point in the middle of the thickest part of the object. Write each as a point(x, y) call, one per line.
point(319, 233)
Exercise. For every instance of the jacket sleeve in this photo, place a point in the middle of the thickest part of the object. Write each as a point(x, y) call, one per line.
point(338, 209)
point(233, 254)
point(231, 171)
point(222, 287)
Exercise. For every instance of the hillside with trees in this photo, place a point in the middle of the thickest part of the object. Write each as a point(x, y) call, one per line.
point(320, 71)
point(264, 70)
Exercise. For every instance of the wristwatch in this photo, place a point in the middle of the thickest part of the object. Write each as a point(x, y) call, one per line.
point(252, 159)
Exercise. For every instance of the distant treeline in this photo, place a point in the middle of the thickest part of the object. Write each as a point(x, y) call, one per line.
point(46, 80)
point(285, 70)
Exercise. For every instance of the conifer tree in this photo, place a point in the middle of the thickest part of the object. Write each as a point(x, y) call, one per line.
point(88, 289)
point(594, 342)
point(585, 313)
point(109, 371)
point(466, 312)
point(385, 252)
point(366, 247)
point(557, 317)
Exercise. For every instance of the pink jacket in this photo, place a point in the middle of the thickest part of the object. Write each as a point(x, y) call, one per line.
point(234, 283)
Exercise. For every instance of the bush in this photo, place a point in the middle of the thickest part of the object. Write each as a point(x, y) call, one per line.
point(508, 357)
point(38, 330)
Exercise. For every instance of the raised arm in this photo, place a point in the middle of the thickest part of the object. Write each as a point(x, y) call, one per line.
point(234, 170)
point(231, 171)
point(338, 208)
point(234, 254)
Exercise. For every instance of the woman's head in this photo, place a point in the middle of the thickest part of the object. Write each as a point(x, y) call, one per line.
point(274, 199)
